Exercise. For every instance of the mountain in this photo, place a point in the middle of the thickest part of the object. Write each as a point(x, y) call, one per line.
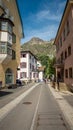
point(38, 46)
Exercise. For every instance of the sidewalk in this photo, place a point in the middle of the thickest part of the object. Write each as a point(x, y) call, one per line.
point(65, 101)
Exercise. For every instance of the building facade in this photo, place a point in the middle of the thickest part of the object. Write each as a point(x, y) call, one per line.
point(64, 46)
point(40, 71)
point(28, 67)
point(11, 32)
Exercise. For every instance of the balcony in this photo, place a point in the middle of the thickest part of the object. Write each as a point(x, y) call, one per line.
point(5, 52)
point(59, 63)
point(6, 34)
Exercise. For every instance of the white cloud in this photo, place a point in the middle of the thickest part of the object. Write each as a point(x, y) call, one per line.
point(45, 14)
point(49, 14)
point(61, 7)
point(42, 14)
point(45, 33)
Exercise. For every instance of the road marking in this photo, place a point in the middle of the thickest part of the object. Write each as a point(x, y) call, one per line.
point(8, 107)
point(36, 110)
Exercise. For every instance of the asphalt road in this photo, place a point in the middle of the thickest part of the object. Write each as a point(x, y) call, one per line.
point(38, 109)
point(7, 95)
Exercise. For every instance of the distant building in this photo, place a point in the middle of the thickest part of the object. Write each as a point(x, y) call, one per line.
point(11, 32)
point(28, 67)
point(64, 46)
point(40, 71)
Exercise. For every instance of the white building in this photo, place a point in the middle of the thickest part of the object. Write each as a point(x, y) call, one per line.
point(40, 71)
point(28, 67)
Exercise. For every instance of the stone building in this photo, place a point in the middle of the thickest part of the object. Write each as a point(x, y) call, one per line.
point(11, 32)
point(64, 46)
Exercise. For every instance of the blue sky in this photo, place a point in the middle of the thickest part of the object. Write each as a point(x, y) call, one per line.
point(41, 18)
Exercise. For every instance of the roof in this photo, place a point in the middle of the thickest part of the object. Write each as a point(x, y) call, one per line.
point(41, 68)
point(67, 3)
point(61, 65)
point(20, 18)
point(7, 20)
point(27, 51)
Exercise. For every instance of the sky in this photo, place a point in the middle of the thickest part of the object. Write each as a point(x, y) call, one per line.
point(41, 18)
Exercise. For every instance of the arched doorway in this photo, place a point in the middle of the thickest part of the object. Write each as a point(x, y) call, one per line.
point(9, 76)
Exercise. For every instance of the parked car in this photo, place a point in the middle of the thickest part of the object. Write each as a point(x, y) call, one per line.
point(18, 82)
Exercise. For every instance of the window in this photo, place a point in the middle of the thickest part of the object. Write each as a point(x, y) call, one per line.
point(23, 55)
point(64, 35)
point(66, 73)
point(70, 72)
point(23, 65)
point(13, 38)
point(10, 28)
point(61, 41)
point(3, 48)
point(9, 50)
point(68, 27)
point(32, 59)
point(30, 56)
point(69, 50)
point(62, 57)
point(13, 54)
point(4, 26)
point(30, 65)
point(33, 67)
point(23, 75)
point(57, 47)
point(33, 75)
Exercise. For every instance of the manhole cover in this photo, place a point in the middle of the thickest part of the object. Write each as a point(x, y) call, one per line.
point(27, 103)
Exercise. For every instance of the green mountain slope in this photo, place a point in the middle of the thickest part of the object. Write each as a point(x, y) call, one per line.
point(39, 47)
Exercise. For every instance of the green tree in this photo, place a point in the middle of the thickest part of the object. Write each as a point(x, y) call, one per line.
point(48, 62)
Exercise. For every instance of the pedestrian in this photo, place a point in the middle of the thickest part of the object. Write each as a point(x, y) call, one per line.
point(45, 81)
point(58, 85)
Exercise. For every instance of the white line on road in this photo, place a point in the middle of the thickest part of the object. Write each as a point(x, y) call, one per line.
point(7, 108)
point(36, 110)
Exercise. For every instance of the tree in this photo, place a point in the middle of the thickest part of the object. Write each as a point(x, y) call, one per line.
point(48, 62)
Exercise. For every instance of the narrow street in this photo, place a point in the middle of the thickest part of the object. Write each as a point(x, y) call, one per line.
point(49, 114)
point(36, 111)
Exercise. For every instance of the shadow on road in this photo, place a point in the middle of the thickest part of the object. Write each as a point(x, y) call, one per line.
point(4, 93)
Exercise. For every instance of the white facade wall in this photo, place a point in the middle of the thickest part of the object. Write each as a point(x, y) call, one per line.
point(38, 64)
point(40, 75)
point(27, 62)
point(30, 71)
